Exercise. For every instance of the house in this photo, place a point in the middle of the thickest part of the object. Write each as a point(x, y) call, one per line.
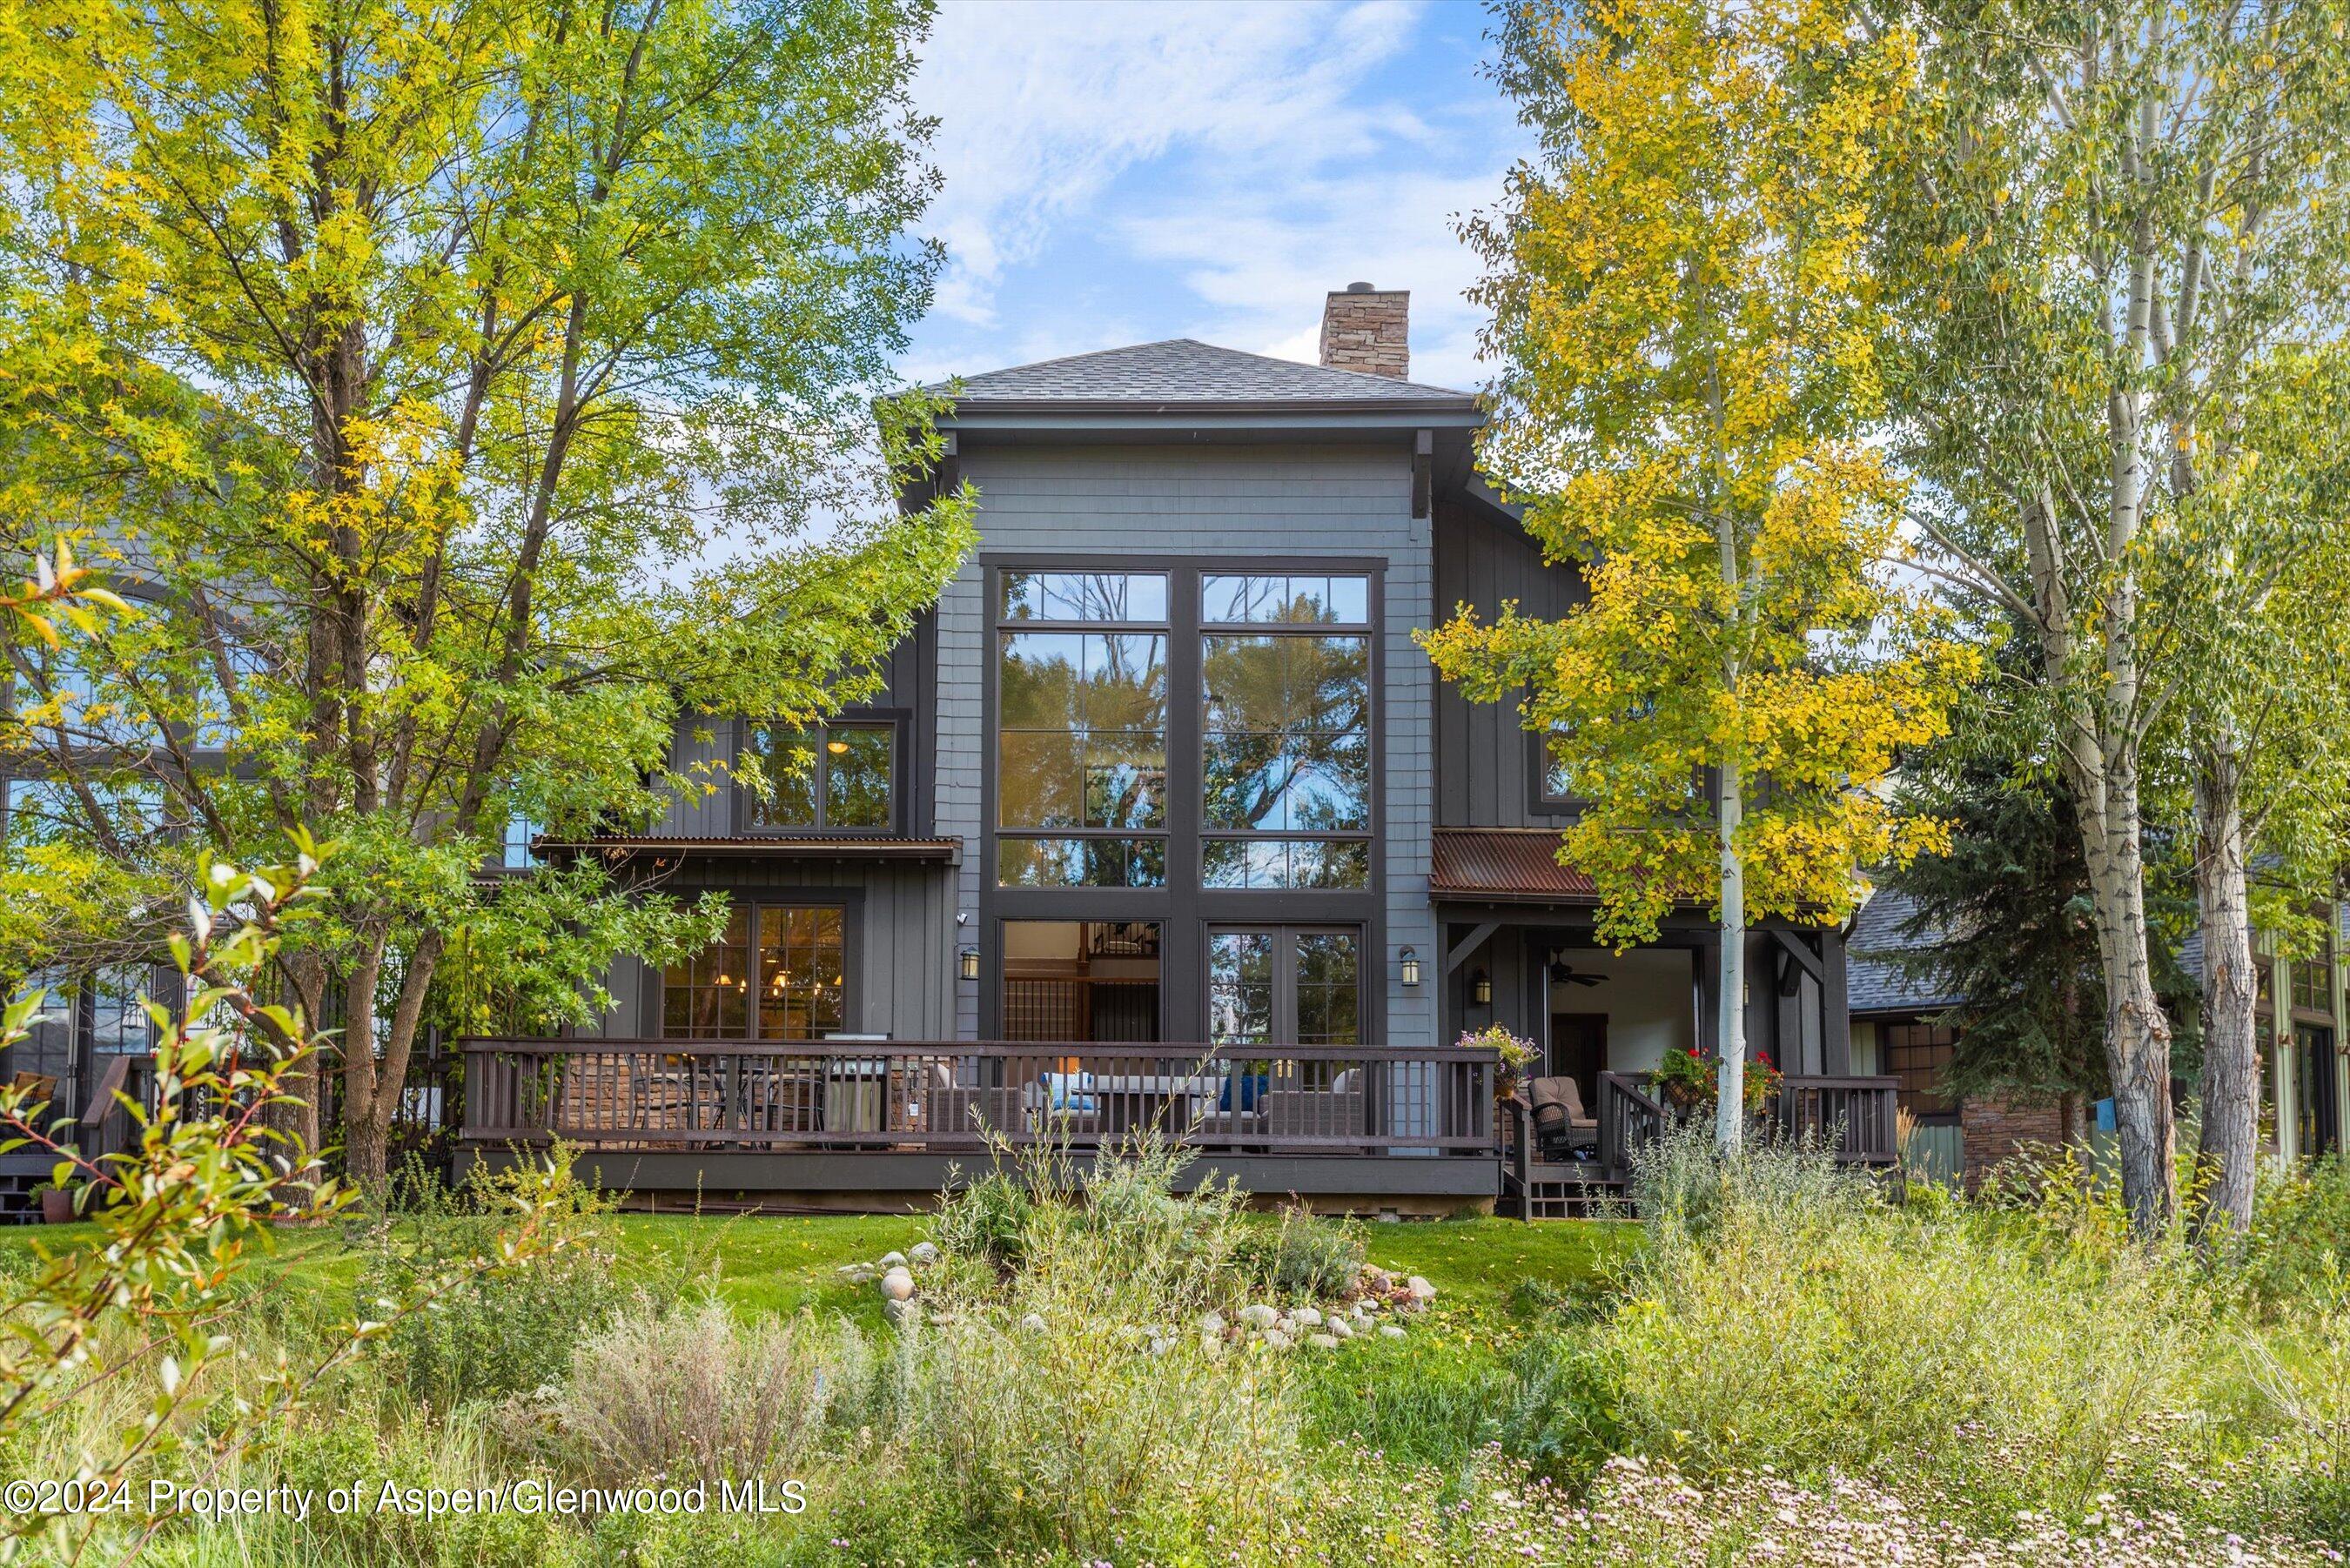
point(1164, 820)
point(1902, 1027)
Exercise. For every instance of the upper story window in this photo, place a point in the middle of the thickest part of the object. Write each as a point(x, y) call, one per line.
point(2312, 980)
point(514, 851)
point(838, 777)
point(1081, 728)
point(1285, 709)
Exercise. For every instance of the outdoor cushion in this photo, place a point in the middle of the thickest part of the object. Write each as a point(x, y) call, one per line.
point(1251, 1085)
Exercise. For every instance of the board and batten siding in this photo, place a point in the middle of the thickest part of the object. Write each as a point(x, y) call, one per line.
point(702, 751)
point(1224, 504)
point(902, 945)
point(1483, 558)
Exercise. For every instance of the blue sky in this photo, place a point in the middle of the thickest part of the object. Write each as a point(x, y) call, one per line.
point(1118, 173)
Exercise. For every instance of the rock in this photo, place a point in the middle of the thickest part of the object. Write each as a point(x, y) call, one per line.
point(1369, 1306)
point(1259, 1316)
point(923, 1253)
point(1322, 1341)
point(893, 1259)
point(1342, 1328)
point(1033, 1323)
point(898, 1311)
point(1377, 1280)
point(1212, 1343)
point(1277, 1340)
point(1213, 1325)
point(1421, 1290)
point(1389, 1331)
point(897, 1284)
point(1309, 1316)
point(1160, 1346)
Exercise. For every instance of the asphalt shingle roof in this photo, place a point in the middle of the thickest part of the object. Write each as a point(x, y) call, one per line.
point(1874, 984)
point(1183, 370)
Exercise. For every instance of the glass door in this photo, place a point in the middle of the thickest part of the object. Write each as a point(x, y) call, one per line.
point(1285, 985)
point(2316, 1114)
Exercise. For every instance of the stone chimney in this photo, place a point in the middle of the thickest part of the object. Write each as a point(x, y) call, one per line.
point(1367, 329)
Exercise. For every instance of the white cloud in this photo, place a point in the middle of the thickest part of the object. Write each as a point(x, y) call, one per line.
point(1043, 106)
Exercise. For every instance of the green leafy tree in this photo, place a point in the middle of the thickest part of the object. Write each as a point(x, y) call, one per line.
point(1688, 375)
point(2103, 226)
point(2002, 913)
point(471, 392)
point(179, 1208)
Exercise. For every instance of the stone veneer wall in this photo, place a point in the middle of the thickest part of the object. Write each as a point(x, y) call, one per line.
point(1990, 1130)
point(1368, 331)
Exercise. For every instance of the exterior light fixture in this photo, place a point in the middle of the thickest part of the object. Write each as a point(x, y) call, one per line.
point(1481, 988)
point(838, 748)
point(968, 958)
point(1411, 957)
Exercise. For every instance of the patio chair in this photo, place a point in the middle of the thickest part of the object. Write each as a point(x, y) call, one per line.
point(1562, 1127)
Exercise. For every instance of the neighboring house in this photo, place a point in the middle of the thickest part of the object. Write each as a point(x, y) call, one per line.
point(1898, 1029)
point(1163, 818)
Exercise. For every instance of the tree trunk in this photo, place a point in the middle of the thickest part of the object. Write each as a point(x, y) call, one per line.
point(1729, 1118)
point(2137, 1034)
point(2228, 1144)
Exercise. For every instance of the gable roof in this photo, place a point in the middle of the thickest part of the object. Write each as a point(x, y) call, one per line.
point(1184, 370)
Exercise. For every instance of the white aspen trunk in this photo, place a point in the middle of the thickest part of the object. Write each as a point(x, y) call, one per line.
point(1729, 1118)
point(2229, 1143)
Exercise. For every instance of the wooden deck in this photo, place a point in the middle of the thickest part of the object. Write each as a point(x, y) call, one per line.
point(860, 1123)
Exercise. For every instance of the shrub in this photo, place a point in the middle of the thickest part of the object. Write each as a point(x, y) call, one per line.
point(494, 1333)
point(1303, 1256)
point(986, 1220)
point(695, 1392)
point(1783, 1316)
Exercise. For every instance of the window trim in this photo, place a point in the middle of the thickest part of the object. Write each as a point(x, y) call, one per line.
point(746, 803)
point(1953, 1104)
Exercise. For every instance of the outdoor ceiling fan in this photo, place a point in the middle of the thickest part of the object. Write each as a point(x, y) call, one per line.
point(1564, 973)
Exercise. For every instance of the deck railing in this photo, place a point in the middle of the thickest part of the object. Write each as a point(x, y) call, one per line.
point(1852, 1116)
point(949, 1096)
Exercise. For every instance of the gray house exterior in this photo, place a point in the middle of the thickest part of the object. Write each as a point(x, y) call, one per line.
point(1177, 828)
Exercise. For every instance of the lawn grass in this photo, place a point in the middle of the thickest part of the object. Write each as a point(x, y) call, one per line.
point(781, 1264)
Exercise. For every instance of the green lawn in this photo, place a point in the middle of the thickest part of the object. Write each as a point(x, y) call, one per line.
point(785, 1263)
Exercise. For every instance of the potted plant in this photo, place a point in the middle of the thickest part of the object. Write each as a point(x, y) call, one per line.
point(57, 1203)
point(1517, 1054)
point(1762, 1083)
point(1685, 1080)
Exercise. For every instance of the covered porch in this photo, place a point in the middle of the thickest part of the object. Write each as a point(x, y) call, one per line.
point(1519, 950)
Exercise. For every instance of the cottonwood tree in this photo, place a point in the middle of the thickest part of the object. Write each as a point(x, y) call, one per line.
point(473, 389)
point(2104, 224)
point(1687, 376)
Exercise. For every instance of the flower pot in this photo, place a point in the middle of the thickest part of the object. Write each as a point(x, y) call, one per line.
point(56, 1208)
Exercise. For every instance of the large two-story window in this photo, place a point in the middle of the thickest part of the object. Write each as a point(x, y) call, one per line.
point(777, 971)
point(1284, 731)
point(838, 777)
point(1081, 728)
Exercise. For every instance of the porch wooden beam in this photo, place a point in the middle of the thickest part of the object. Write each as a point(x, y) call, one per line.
point(1802, 954)
point(1477, 938)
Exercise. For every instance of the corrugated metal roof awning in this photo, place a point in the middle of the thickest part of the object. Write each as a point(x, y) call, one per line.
point(1518, 865)
point(942, 851)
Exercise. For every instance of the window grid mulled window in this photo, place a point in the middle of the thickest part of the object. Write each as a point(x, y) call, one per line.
point(836, 777)
point(1286, 754)
point(1919, 1056)
point(1081, 728)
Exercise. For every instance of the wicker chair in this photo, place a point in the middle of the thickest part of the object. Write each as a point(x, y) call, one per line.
point(1561, 1123)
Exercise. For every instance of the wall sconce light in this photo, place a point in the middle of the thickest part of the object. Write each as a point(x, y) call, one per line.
point(968, 958)
point(1481, 988)
point(1411, 957)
